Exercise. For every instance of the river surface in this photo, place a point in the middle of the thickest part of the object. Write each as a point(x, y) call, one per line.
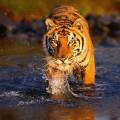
point(23, 90)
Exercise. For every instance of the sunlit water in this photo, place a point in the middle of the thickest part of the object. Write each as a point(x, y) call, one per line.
point(23, 90)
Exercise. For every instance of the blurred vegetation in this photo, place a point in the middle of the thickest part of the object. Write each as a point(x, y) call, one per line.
point(24, 36)
point(40, 8)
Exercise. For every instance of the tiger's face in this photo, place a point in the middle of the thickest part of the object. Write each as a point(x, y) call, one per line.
point(64, 43)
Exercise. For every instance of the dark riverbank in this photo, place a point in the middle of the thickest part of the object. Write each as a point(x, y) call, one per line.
point(104, 29)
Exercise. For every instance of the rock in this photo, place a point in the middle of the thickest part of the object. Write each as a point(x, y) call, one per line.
point(105, 19)
point(91, 19)
point(114, 33)
point(39, 27)
point(7, 22)
point(105, 27)
point(109, 42)
point(95, 26)
point(3, 31)
point(34, 30)
point(115, 24)
point(112, 23)
point(23, 27)
point(114, 28)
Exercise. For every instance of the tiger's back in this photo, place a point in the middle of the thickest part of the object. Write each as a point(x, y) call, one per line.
point(65, 15)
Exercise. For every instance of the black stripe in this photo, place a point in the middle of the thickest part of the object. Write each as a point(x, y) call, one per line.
point(48, 46)
point(78, 50)
point(74, 34)
point(83, 67)
point(46, 43)
point(82, 42)
point(78, 42)
point(85, 57)
point(78, 53)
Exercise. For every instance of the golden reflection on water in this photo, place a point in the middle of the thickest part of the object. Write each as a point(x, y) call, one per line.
point(48, 113)
point(8, 114)
point(60, 113)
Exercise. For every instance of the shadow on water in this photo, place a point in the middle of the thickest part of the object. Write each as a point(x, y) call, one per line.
point(23, 90)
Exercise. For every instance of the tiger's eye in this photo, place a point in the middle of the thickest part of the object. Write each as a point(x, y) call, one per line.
point(79, 27)
point(53, 44)
point(71, 41)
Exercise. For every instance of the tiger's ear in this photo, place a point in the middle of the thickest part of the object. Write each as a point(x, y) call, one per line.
point(77, 24)
point(49, 23)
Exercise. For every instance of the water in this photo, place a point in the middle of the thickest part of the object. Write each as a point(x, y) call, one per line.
point(23, 90)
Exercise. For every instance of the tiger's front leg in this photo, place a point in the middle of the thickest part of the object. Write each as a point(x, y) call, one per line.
point(57, 81)
point(89, 73)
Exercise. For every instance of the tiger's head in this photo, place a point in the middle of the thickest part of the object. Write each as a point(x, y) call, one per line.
point(63, 43)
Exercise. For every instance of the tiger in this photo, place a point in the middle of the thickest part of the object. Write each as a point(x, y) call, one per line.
point(68, 47)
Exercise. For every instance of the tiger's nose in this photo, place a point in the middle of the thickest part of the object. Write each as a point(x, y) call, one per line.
point(60, 61)
point(64, 57)
point(63, 60)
